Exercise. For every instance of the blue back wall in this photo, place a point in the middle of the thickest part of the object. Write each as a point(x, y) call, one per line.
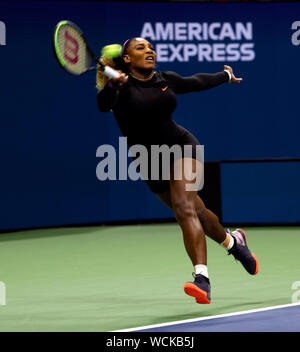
point(51, 127)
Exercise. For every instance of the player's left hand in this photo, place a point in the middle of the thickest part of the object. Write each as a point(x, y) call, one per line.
point(233, 78)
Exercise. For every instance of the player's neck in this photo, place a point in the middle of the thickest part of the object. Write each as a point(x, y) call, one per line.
point(142, 75)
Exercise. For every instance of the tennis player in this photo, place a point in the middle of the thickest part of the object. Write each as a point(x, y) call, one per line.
point(143, 100)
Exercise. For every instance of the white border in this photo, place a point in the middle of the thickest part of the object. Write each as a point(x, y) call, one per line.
point(207, 318)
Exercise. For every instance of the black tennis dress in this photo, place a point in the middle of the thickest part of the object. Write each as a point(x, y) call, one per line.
point(143, 110)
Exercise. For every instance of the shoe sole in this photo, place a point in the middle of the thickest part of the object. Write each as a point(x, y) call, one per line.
point(253, 255)
point(196, 292)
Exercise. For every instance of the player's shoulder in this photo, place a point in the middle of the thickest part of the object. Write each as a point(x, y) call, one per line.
point(169, 75)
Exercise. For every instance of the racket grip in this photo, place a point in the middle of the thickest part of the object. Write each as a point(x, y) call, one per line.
point(110, 72)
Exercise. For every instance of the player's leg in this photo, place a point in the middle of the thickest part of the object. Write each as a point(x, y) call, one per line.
point(184, 207)
point(235, 242)
point(210, 221)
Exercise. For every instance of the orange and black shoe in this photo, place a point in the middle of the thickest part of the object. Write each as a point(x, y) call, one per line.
point(200, 289)
point(241, 252)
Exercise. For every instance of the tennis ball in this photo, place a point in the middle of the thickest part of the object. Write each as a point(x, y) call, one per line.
point(112, 50)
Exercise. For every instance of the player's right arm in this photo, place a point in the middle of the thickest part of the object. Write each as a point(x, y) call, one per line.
point(107, 97)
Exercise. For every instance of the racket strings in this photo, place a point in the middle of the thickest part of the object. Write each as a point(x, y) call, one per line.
point(73, 50)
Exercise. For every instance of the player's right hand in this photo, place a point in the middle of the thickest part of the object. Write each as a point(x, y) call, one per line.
point(119, 81)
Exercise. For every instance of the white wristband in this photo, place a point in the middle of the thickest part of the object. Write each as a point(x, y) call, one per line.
point(229, 75)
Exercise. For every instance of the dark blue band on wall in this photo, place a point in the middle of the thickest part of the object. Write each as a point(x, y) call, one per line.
point(260, 192)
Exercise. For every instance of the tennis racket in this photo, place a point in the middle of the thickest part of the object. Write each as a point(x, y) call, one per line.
point(73, 53)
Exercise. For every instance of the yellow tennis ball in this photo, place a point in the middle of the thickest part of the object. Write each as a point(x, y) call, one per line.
point(112, 50)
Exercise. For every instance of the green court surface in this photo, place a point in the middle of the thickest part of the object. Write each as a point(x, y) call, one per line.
point(115, 277)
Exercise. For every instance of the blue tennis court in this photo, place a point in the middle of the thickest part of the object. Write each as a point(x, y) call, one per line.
point(285, 318)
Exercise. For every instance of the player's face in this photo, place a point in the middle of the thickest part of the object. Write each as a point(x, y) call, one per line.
point(140, 55)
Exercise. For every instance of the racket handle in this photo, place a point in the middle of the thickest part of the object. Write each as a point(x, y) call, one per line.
point(110, 72)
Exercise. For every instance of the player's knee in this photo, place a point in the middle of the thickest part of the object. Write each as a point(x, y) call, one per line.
point(184, 209)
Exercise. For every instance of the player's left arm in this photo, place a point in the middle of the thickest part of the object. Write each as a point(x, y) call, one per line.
point(201, 81)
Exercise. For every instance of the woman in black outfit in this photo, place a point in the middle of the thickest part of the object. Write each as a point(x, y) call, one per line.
point(143, 101)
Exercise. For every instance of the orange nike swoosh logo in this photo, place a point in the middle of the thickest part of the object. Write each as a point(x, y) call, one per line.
point(165, 88)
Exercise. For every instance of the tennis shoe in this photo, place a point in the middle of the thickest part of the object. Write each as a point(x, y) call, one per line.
point(200, 289)
point(241, 252)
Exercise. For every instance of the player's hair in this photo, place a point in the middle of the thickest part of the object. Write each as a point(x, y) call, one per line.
point(116, 63)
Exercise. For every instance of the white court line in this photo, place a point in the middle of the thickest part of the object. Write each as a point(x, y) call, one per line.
point(207, 318)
